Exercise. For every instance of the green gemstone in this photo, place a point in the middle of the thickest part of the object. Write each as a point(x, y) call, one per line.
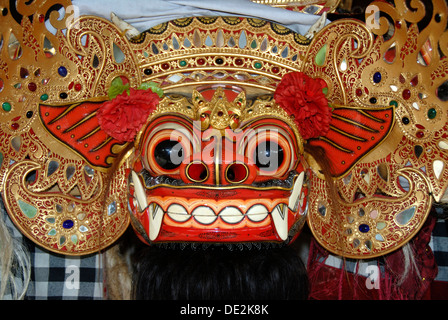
point(44, 97)
point(52, 232)
point(321, 55)
point(405, 216)
point(253, 45)
point(27, 209)
point(51, 220)
point(432, 113)
point(393, 103)
point(1, 159)
point(258, 65)
point(381, 225)
point(74, 239)
point(6, 106)
point(183, 63)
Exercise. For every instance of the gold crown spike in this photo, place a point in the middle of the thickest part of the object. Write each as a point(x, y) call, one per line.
point(219, 112)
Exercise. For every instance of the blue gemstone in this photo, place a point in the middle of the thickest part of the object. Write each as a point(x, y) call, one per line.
point(67, 224)
point(377, 77)
point(62, 71)
point(364, 228)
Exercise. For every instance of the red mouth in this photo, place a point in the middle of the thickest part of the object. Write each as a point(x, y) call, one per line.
point(232, 214)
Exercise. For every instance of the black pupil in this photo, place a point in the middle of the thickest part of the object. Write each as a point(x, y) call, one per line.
point(268, 156)
point(169, 154)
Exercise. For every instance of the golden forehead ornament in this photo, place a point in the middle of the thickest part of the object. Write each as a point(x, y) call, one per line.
point(64, 180)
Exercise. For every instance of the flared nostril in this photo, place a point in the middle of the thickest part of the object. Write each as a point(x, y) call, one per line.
point(197, 171)
point(237, 172)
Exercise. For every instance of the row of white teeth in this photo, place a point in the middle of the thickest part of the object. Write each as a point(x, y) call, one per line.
point(206, 215)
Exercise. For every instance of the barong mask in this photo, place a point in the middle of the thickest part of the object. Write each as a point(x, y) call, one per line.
point(207, 129)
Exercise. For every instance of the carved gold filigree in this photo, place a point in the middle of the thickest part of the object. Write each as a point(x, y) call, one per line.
point(249, 53)
point(45, 183)
point(386, 61)
point(54, 196)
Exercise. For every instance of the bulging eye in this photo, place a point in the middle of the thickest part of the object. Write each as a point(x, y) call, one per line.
point(169, 154)
point(268, 155)
point(165, 145)
point(272, 150)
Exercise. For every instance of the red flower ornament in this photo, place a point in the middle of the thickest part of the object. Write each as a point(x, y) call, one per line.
point(302, 97)
point(123, 116)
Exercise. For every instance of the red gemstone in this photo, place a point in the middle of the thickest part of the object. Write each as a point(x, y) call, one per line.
point(32, 86)
point(15, 126)
point(358, 92)
point(78, 87)
point(390, 55)
point(165, 66)
point(402, 79)
point(24, 73)
point(420, 134)
point(406, 94)
point(275, 69)
point(41, 18)
point(398, 24)
point(239, 62)
point(419, 126)
point(70, 86)
point(201, 61)
point(414, 81)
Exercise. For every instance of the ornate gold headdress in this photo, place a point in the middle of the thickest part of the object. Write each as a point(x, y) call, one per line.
point(387, 139)
point(399, 60)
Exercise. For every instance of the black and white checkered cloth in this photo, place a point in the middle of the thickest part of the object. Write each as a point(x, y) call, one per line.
point(58, 277)
point(439, 245)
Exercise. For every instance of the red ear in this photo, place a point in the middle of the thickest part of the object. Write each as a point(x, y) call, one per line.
point(76, 126)
point(353, 134)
